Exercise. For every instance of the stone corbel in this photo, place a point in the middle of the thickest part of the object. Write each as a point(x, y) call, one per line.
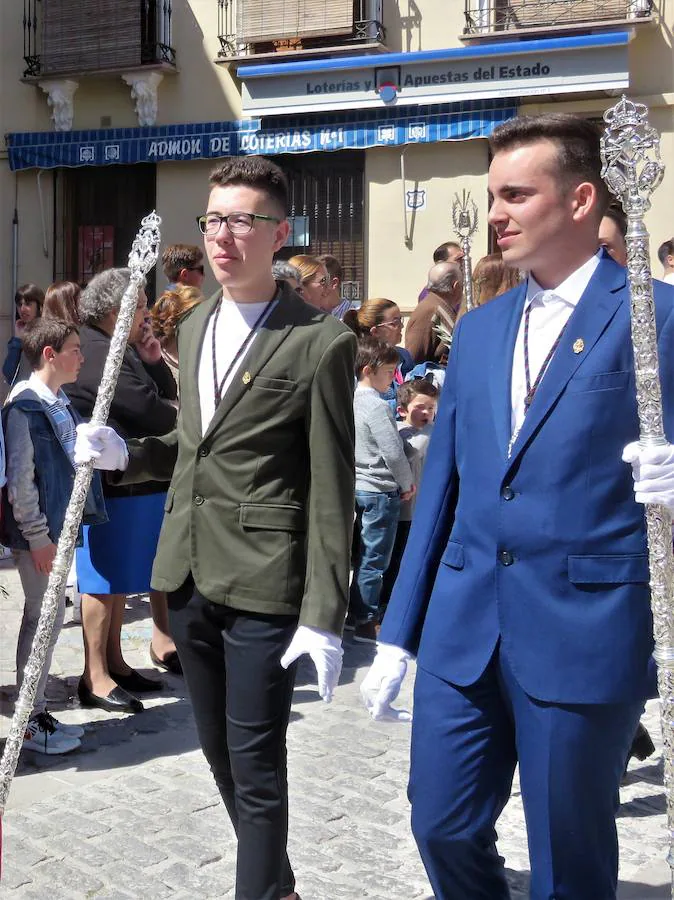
point(144, 87)
point(60, 93)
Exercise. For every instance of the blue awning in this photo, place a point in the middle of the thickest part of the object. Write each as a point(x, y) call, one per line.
point(271, 136)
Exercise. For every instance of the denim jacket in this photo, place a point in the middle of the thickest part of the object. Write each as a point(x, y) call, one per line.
point(53, 476)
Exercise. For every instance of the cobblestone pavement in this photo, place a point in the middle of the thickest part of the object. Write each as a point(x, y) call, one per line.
point(134, 812)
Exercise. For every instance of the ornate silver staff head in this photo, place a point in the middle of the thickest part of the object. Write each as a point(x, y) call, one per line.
point(630, 153)
point(464, 219)
point(464, 216)
point(145, 247)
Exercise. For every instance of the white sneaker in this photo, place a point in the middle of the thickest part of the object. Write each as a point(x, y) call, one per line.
point(71, 730)
point(42, 737)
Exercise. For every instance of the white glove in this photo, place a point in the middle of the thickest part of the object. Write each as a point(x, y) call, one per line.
point(383, 681)
point(653, 473)
point(103, 445)
point(325, 649)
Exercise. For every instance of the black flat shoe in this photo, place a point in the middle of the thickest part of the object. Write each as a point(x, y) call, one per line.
point(135, 683)
point(170, 662)
point(118, 700)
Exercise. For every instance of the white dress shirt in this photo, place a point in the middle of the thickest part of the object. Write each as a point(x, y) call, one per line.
point(669, 278)
point(550, 311)
point(235, 322)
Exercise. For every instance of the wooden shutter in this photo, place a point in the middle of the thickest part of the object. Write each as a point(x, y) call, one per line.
point(85, 35)
point(266, 20)
point(565, 12)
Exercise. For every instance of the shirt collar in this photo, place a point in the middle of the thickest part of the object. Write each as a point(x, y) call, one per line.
point(570, 290)
point(44, 393)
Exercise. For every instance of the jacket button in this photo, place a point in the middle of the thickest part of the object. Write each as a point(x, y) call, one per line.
point(507, 493)
point(204, 451)
point(506, 558)
point(198, 499)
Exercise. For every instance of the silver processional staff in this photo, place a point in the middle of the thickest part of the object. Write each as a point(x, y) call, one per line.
point(632, 170)
point(464, 219)
point(142, 258)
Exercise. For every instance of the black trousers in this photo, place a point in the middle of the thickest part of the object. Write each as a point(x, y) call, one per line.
point(241, 698)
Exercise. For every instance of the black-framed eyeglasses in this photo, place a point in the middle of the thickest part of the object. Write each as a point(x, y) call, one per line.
point(236, 222)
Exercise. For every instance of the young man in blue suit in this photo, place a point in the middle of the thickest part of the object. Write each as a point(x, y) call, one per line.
point(523, 592)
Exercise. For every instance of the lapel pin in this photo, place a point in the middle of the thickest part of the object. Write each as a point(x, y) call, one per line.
point(246, 377)
point(578, 345)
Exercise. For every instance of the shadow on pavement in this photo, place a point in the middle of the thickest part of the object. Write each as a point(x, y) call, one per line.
point(640, 807)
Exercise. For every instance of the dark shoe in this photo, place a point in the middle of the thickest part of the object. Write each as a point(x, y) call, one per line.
point(171, 662)
point(642, 745)
point(366, 633)
point(135, 683)
point(118, 700)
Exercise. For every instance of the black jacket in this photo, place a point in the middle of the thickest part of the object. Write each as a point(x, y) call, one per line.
point(142, 404)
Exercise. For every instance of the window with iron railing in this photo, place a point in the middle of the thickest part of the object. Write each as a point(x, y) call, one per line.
point(76, 36)
point(254, 27)
point(485, 16)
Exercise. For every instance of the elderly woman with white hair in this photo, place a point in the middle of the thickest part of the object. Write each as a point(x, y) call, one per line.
point(117, 557)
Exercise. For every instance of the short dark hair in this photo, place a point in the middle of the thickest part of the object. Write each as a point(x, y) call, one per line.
point(615, 213)
point(374, 353)
point(32, 294)
point(45, 332)
point(665, 250)
point(180, 256)
point(441, 253)
point(255, 172)
point(333, 266)
point(576, 140)
point(418, 387)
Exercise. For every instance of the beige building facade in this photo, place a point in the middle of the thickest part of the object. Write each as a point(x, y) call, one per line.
point(378, 110)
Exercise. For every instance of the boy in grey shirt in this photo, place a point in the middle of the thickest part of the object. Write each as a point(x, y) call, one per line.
point(383, 479)
point(417, 404)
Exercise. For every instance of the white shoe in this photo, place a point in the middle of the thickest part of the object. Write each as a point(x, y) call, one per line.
point(42, 737)
point(71, 730)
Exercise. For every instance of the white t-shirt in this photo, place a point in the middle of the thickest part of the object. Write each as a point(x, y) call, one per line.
point(234, 325)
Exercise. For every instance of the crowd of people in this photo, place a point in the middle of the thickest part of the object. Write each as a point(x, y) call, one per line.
point(260, 478)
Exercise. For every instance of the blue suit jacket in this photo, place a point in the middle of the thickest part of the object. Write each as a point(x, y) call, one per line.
point(572, 607)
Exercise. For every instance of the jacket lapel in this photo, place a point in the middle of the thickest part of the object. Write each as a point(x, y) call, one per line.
point(269, 338)
point(504, 335)
point(587, 323)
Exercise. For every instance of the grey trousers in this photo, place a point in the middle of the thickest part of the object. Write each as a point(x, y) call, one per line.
point(34, 585)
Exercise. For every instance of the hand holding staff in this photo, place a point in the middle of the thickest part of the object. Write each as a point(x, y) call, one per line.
point(142, 258)
point(632, 170)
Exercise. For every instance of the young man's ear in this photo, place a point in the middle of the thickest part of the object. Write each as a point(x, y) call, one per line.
point(401, 410)
point(585, 200)
point(48, 354)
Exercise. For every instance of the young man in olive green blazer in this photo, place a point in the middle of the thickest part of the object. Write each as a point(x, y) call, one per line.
point(254, 549)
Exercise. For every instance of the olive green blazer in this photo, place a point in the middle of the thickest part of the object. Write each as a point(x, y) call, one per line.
point(260, 508)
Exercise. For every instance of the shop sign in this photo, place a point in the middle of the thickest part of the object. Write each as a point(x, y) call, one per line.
point(249, 137)
point(524, 69)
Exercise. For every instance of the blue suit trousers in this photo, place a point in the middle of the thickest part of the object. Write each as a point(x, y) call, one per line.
point(466, 742)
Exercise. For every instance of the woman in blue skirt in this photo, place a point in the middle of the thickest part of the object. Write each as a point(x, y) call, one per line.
point(116, 558)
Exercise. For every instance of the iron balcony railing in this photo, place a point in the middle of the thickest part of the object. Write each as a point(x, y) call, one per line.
point(488, 16)
point(362, 23)
point(76, 36)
